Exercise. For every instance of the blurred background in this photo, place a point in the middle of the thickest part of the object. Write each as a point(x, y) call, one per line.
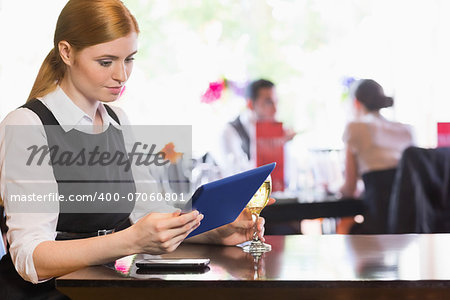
point(309, 48)
point(196, 57)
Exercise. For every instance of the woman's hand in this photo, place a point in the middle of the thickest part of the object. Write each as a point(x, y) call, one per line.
point(241, 230)
point(158, 233)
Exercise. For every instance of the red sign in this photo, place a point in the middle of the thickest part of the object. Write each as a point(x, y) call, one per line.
point(443, 131)
point(270, 148)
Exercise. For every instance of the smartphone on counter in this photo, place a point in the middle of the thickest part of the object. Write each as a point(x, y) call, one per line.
point(173, 263)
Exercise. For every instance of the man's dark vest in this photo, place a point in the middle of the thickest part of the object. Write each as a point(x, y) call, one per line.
point(243, 134)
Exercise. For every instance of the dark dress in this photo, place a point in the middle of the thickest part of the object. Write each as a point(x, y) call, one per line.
point(377, 194)
point(72, 222)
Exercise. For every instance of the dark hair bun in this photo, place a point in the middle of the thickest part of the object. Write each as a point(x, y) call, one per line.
point(388, 102)
point(372, 96)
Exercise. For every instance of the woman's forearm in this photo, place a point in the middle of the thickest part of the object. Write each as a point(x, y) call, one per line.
point(209, 237)
point(351, 174)
point(348, 190)
point(56, 258)
point(155, 233)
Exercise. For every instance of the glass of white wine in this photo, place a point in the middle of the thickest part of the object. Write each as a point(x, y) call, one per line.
point(255, 206)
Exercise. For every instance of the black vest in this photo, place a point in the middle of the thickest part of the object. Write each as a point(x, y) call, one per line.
point(243, 134)
point(88, 180)
point(111, 179)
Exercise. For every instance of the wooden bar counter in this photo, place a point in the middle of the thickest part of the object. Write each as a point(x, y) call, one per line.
point(298, 267)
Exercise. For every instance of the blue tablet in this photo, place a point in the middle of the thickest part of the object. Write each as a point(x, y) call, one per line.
point(223, 200)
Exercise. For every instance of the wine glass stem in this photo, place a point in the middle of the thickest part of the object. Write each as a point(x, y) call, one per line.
point(255, 227)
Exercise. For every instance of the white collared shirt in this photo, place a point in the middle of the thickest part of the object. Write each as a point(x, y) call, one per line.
point(70, 116)
point(231, 157)
point(377, 143)
point(27, 230)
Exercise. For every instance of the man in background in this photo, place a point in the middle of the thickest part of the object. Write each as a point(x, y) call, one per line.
point(238, 140)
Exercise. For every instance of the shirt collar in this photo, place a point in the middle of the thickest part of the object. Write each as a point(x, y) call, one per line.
point(69, 115)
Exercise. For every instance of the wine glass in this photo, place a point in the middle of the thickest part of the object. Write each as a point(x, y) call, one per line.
point(255, 206)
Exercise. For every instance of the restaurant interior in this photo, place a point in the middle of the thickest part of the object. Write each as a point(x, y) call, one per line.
point(347, 97)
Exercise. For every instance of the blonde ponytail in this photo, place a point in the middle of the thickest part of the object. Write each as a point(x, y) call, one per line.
point(50, 74)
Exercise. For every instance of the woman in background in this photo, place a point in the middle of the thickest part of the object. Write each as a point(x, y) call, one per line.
point(374, 146)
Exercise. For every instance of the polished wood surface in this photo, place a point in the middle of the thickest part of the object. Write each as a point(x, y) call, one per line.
point(336, 266)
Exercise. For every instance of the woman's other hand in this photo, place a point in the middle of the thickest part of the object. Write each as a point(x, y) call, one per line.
point(241, 230)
